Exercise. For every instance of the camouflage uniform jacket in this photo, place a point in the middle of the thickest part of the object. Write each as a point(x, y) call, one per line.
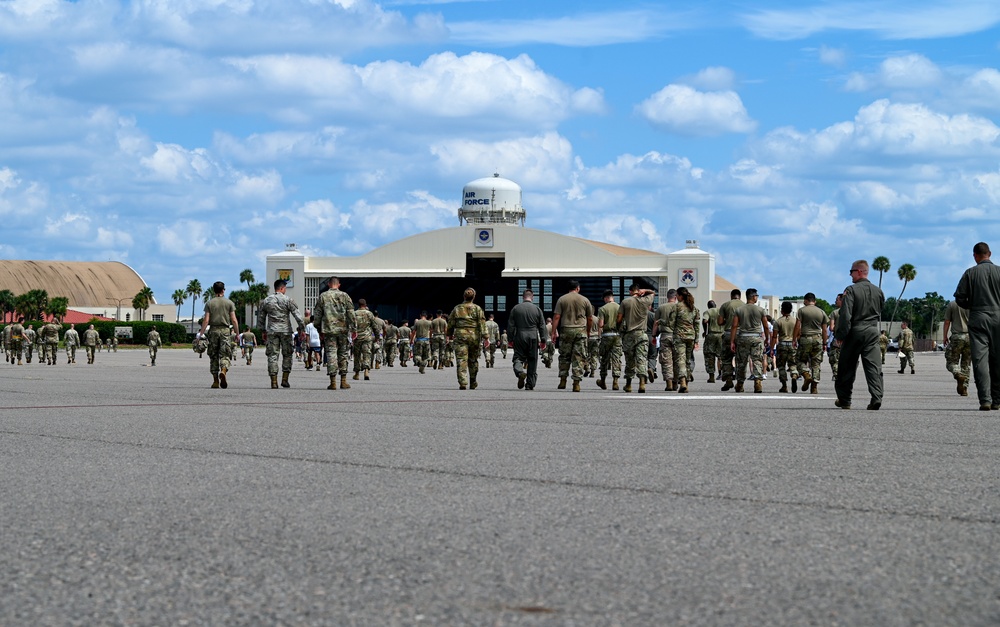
point(391, 333)
point(467, 317)
point(334, 312)
point(50, 333)
point(364, 320)
point(273, 314)
point(684, 322)
point(153, 339)
point(493, 331)
point(72, 337)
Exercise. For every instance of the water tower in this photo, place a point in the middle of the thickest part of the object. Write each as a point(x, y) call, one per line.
point(491, 200)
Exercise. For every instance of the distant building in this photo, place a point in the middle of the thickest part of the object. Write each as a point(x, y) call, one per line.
point(493, 252)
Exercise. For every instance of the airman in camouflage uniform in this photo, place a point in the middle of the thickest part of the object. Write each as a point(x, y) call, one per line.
point(50, 341)
point(364, 338)
point(216, 326)
point(712, 348)
point(631, 322)
point(71, 339)
point(92, 343)
point(334, 317)
point(571, 320)
point(883, 344)
point(833, 351)
point(611, 341)
point(467, 329)
point(905, 339)
point(726, 314)
point(249, 341)
point(378, 354)
point(421, 338)
point(153, 342)
point(493, 339)
point(958, 350)
point(403, 343)
point(785, 349)
point(274, 317)
point(439, 340)
point(30, 339)
point(663, 327)
point(811, 332)
point(748, 323)
point(7, 352)
point(593, 350)
point(14, 341)
point(550, 347)
point(504, 341)
point(199, 345)
point(685, 320)
point(391, 338)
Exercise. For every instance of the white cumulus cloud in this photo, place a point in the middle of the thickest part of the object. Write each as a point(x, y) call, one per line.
point(686, 111)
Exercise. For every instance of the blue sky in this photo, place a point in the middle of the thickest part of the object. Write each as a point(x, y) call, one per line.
point(190, 138)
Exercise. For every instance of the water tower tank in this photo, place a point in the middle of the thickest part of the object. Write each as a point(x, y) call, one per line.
point(491, 200)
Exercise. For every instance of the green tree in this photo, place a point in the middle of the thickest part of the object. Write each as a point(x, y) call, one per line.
point(240, 298)
point(207, 295)
point(32, 304)
point(194, 291)
point(57, 307)
point(247, 277)
point(179, 296)
point(906, 273)
point(142, 300)
point(881, 264)
point(7, 304)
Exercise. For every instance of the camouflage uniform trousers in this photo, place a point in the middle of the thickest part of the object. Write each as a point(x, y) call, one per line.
point(422, 352)
point(45, 348)
point(362, 354)
point(712, 349)
point(404, 351)
point(611, 355)
point(152, 352)
point(787, 360)
point(549, 353)
point(635, 345)
point(667, 357)
point(491, 353)
point(468, 347)
point(834, 357)
point(220, 349)
point(378, 352)
point(71, 352)
point(449, 353)
point(248, 352)
point(958, 355)
point(14, 350)
point(905, 357)
point(593, 354)
point(29, 350)
point(337, 351)
point(727, 356)
point(683, 354)
point(811, 355)
point(749, 348)
point(438, 342)
point(572, 353)
point(279, 343)
point(390, 352)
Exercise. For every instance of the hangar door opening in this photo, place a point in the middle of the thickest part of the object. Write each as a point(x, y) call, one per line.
point(484, 267)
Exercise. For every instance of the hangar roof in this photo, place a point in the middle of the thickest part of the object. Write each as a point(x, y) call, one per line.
point(84, 283)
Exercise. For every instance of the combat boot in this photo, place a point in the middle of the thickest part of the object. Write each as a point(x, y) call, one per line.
point(628, 386)
point(18, 362)
point(215, 381)
point(670, 385)
point(284, 380)
point(473, 384)
point(784, 388)
point(378, 365)
point(343, 382)
point(367, 378)
point(683, 387)
point(602, 382)
point(711, 378)
point(421, 369)
point(902, 368)
point(274, 382)
point(912, 371)
point(562, 383)
point(222, 379)
point(357, 376)
point(806, 380)
point(576, 386)
point(795, 385)
point(739, 386)
point(758, 386)
point(728, 385)
point(333, 382)
point(614, 383)
point(814, 388)
point(642, 386)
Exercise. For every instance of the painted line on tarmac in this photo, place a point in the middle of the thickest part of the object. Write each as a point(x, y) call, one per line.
point(731, 397)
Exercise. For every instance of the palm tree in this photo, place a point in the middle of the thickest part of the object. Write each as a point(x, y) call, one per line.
point(6, 303)
point(142, 300)
point(906, 273)
point(32, 304)
point(208, 295)
point(881, 264)
point(57, 307)
point(179, 297)
point(193, 290)
point(246, 276)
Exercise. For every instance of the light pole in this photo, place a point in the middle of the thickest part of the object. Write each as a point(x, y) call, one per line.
point(118, 302)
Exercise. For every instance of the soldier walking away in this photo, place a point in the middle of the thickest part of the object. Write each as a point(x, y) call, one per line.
point(812, 328)
point(957, 349)
point(217, 325)
point(785, 349)
point(905, 339)
point(364, 339)
point(421, 339)
point(439, 340)
point(334, 316)
point(856, 336)
point(493, 340)
point(527, 326)
point(71, 339)
point(391, 341)
point(631, 323)
point(274, 317)
point(403, 343)
point(833, 350)
point(154, 343)
point(979, 292)
point(712, 348)
point(571, 321)
point(15, 340)
point(745, 339)
point(91, 342)
point(726, 313)
point(249, 342)
point(30, 338)
point(883, 344)
point(684, 320)
point(467, 330)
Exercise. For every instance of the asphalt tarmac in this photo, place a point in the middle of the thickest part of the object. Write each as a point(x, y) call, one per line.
point(137, 495)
